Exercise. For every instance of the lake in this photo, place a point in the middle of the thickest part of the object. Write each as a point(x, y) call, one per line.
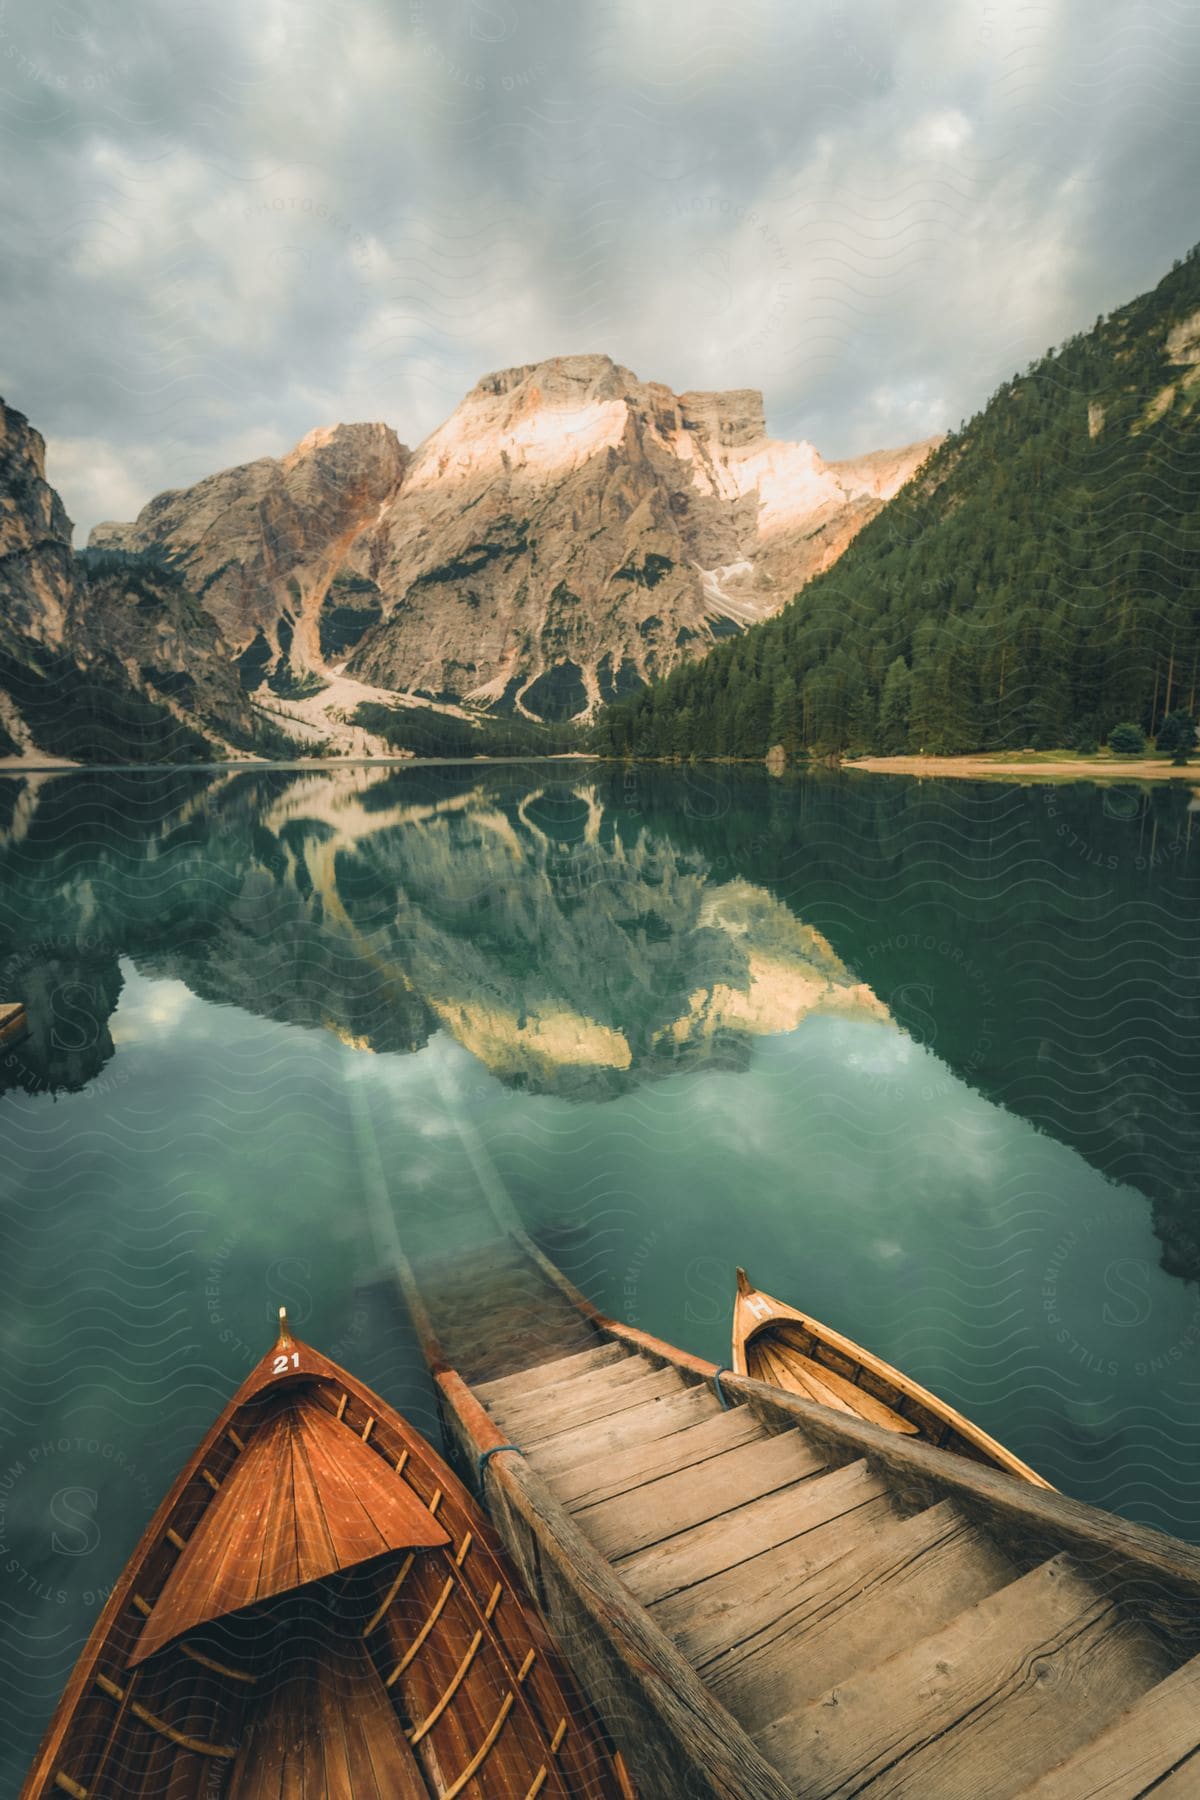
point(922, 1055)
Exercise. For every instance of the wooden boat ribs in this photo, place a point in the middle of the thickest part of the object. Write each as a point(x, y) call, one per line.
point(772, 1342)
point(319, 1609)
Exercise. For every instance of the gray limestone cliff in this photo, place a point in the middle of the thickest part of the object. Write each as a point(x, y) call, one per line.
point(571, 532)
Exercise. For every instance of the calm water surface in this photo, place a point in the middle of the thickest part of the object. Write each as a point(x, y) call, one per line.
point(923, 1056)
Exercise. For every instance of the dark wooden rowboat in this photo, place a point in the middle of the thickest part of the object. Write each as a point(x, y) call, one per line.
point(13, 1021)
point(319, 1608)
point(772, 1342)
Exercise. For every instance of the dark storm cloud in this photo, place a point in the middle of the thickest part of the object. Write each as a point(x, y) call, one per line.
point(223, 225)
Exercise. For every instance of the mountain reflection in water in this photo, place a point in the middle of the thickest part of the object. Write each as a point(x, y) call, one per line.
point(568, 947)
point(923, 1056)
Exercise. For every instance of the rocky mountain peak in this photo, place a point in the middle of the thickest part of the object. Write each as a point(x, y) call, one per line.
point(572, 531)
point(35, 535)
point(261, 543)
point(559, 379)
point(731, 417)
point(568, 533)
point(328, 442)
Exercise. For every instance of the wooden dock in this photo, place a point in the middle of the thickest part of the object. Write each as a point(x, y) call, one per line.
point(14, 1022)
point(766, 1598)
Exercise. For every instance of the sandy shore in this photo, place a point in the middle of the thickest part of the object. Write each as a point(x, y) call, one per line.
point(1029, 768)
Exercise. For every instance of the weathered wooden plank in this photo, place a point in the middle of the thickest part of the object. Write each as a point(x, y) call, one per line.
point(557, 1412)
point(473, 1268)
point(982, 1706)
point(681, 1743)
point(1182, 1783)
point(674, 1503)
point(477, 1306)
point(1137, 1749)
point(761, 1525)
point(547, 1398)
point(550, 1374)
point(514, 1328)
point(804, 1635)
point(640, 1425)
point(592, 1481)
point(1017, 1513)
point(483, 1349)
point(704, 1619)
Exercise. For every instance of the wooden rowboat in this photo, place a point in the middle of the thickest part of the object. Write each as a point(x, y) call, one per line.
point(319, 1608)
point(775, 1598)
point(772, 1342)
point(13, 1021)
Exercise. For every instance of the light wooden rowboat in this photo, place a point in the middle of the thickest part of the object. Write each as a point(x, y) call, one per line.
point(319, 1608)
point(772, 1342)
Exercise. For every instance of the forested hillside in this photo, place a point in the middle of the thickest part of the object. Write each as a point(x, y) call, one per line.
point(1037, 582)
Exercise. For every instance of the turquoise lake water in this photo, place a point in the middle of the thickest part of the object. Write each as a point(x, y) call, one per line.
point(922, 1055)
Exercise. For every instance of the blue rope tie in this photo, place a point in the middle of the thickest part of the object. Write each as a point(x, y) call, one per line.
point(486, 1457)
point(721, 1394)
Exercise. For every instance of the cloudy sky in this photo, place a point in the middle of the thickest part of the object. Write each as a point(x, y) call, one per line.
point(224, 223)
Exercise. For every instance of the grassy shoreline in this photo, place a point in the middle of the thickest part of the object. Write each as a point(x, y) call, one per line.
point(1032, 765)
point(992, 765)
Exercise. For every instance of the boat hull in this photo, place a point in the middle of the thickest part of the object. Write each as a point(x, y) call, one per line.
point(774, 1343)
point(319, 1606)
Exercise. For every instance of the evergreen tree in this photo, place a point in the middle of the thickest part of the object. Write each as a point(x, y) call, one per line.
point(1177, 732)
point(1127, 739)
point(894, 708)
point(1037, 582)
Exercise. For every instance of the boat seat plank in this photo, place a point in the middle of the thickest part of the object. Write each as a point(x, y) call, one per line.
point(592, 1481)
point(907, 1581)
point(760, 1525)
point(546, 1416)
point(783, 1364)
point(1137, 1750)
point(550, 1374)
point(653, 1420)
point(675, 1503)
point(982, 1706)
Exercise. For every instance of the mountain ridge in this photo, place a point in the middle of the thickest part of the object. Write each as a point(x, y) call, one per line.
point(605, 495)
point(1033, 586)
point(566, 533)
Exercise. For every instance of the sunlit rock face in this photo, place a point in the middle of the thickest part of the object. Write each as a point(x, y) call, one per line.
point(260, 544)
point(571, 532)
